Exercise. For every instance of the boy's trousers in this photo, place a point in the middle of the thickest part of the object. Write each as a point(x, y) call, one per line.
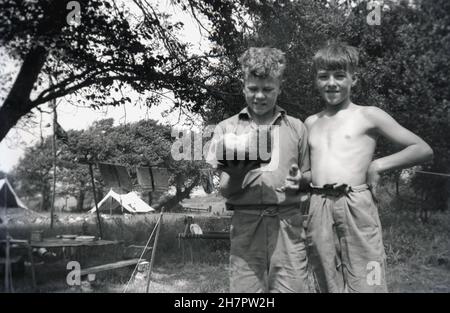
point(268, 250)
point(345, 240)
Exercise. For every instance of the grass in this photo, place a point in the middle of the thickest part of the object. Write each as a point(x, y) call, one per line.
point(166, 278)
point(418, 254)
point(188, 278)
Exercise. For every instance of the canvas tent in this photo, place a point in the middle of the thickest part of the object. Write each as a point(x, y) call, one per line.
point(122, 203)
point(8, 198)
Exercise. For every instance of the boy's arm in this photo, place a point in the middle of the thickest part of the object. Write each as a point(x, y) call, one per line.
point(305, 163)
point(415, 150)
point(308, 125)
point(299, 175)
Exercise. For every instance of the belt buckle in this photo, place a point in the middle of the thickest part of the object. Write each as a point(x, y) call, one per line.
point(331, 190)
point(270, 211)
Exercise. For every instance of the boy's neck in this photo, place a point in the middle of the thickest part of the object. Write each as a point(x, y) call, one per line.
point(333, 109)
point(266, 119)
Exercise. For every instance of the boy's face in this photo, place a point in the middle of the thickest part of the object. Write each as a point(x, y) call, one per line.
point(335, 85)
point(261, 94)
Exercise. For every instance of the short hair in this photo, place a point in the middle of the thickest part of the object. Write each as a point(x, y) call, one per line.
point(263, 62)
point(336, 56)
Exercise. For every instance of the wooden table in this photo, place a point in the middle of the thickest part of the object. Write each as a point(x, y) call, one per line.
point(60, 243)
point(51, 243)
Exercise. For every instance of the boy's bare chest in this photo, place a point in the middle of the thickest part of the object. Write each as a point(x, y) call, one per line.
point(339, 133)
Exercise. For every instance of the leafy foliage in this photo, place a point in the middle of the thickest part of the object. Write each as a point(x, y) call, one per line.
point(33, 175)
point(144, 143)
point(403, 68)
point(113, 48)
point(404, 60)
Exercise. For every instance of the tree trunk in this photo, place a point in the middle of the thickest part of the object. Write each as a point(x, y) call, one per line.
point(170, 202)
point(178, 185)
point(150, 198)
point(80, 200)
point(18, 102)
point(45, 198)
point(100, 193)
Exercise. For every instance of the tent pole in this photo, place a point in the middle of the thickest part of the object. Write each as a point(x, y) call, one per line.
point(154, 250)
point(52, 210)
point(7, 265)
point(95, 201)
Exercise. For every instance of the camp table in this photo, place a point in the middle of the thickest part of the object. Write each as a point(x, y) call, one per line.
point(73, 243)
point(60, 243)
point(50, 243)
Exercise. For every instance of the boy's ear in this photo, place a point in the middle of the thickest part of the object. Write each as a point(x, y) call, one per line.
point(355, 79)
point(281, 82)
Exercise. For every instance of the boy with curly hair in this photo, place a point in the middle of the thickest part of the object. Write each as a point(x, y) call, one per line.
point(268, 251)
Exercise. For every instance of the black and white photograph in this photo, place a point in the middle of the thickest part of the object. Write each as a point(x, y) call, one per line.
point(217, 150)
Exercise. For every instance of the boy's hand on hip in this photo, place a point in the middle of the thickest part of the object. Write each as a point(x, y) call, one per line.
point(292, 181)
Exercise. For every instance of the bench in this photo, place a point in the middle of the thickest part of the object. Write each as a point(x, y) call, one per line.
point(206, 235)
point(132, 254)
point(187, 234)
point(197, 209)
point(109, 266)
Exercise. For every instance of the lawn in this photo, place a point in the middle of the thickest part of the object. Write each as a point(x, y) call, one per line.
point(418, 253)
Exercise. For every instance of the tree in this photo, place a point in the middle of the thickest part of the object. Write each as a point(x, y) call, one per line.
point(74, 178)
point(34, 173)
point(405, 69)
point(111, 49)
point(144, 143)
point(403, 60)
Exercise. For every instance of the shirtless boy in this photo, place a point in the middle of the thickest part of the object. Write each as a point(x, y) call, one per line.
point(344, 231)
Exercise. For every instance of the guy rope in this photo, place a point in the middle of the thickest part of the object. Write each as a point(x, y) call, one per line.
point(157, 229)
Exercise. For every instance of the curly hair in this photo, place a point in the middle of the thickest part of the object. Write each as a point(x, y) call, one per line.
point(263, 62)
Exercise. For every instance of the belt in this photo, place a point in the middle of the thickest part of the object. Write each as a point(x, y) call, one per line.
point(263, 209)
point(332, 189)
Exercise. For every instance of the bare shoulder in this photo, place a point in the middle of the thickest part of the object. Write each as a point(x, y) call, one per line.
point(375, 115)
point(371, 111)
point(310, 120)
